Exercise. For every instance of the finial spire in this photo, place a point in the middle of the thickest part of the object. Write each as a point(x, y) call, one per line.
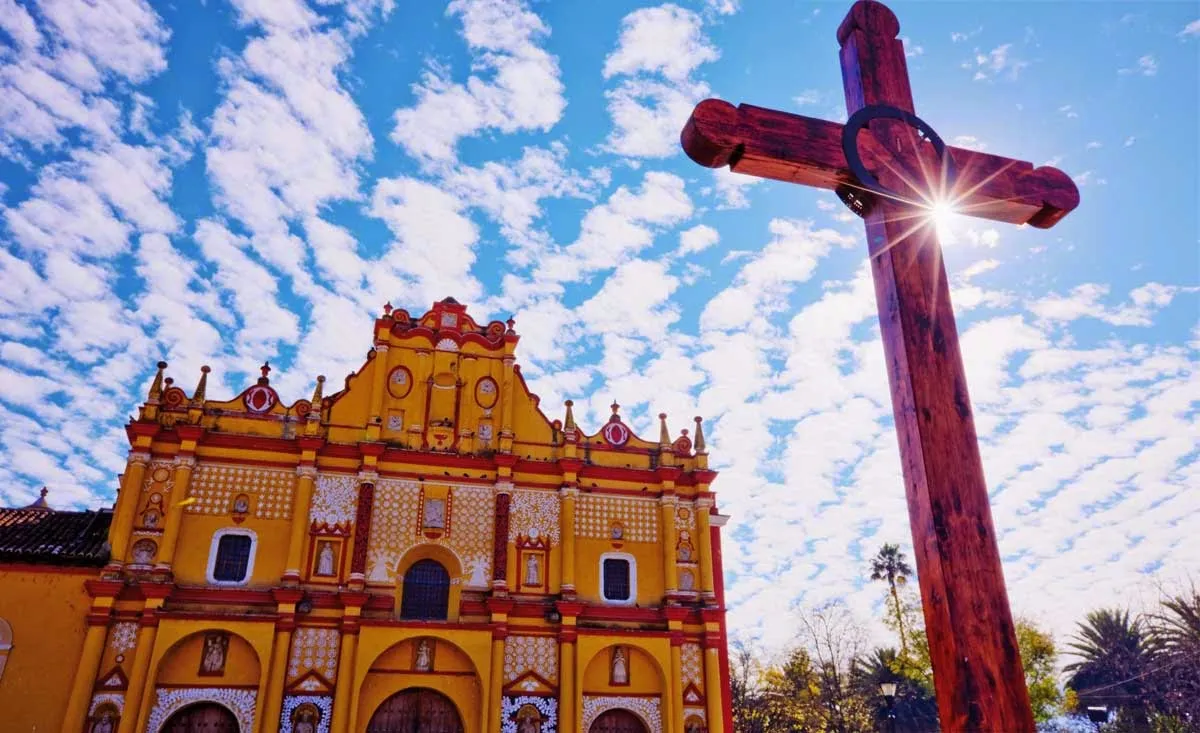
point(316, 399)
point(198, 396)
point(156, 387)
point(387, 308)
point(698, 443)
point(569, 422)
point(615, 409)
point(265, 369)
point(40, 502)
point(664, 435)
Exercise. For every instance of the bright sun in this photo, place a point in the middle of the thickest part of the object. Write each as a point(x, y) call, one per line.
point(941, 213)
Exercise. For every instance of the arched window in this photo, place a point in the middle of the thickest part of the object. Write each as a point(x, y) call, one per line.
point(426, 591)
point(6, 639)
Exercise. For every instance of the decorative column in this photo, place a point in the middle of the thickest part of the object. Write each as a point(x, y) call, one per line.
point(500, 538)
point(343, 691)
point(271, 690)
point(362, 528)
point(306, 476)
point(566, 532)
point(103, 594)
point(670, 570)
point(676, 709)
point(712, 685)
point(704, 540)
point(137, 707)
point(506, 409)
point(568, 698)
point(499, 609)
point(378, 382)
point(184, 464)
point(121, 531)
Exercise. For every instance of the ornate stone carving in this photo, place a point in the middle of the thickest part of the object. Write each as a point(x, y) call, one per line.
point(214, 486)
point(168, 700)
point(334, 499)
point(324, 703)
point(362, 528)
point(534, 514)
point(122, 637)
point(315, 649)
point(112, 698)
point(500, 540)
point(510, 707)
point(595, 516)
point(646, 708)
point(693, 665)
point(538, 654)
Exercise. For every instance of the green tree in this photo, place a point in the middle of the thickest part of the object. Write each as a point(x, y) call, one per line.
point(890, 565)
point(1039, 659)
point(1114, 660)
point(1173, 634)
point(915, 707)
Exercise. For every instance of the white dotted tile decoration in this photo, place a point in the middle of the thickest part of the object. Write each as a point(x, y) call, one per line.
point(533, 514)
point(394, 530)
point(122, 636)
point(169, 700)
point(547, 708)
point(693, 666)
point(335, 499)
point(114, 698)
point(160, 476)
point(646, 708)
point(315, 649)
point(685, 518)
point(214, 486)
point(595, 515)
point(694, 712)
point(531, 654)
point(324, 703)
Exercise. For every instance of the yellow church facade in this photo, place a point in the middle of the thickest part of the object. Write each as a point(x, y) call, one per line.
point(421, 551)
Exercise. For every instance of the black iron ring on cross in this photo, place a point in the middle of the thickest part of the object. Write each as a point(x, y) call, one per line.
point(855, 197)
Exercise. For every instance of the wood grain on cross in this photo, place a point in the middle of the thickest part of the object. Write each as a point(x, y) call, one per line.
point(976, 665)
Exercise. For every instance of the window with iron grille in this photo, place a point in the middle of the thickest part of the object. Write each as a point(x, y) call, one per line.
point(617, 585)
point(233, 558)
point(426, 591)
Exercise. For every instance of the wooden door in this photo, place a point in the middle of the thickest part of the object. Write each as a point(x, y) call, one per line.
point(416, 711)
point(205, 717)
point(618, 721)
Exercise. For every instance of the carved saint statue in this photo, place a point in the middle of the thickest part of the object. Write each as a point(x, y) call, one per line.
point(103, 724)
point(687, 581)
point(150, 519)
point(694, 725)
point(213, 661)
point(143, 552)
point(305, 720)
point(620, 667)
point(533, 570)
point(325, 559)
point(529, 720)
point(435, 513)
point(241, 505)
point(424, 661)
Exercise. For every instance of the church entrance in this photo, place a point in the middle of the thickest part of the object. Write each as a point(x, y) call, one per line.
point(205, 717)
point(416, 711)
point(618, 721)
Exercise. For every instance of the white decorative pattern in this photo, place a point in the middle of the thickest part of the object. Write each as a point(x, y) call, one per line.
point(594, 517)
point(531, 654)
point(533, 514)
point(693, 665)
point(122, 636)
point(695, 713)
point(646, 708)
point(685, 518)
point(335, 498)
point(547, 706)
point(394, 529)
point(100, 698)
point(214, 486)
point(324, 703)
point(168, 700)
point(315, 649)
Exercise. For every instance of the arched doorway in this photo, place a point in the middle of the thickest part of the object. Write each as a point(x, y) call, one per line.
point(618, 721)
point(204, 717)
point(416, 711)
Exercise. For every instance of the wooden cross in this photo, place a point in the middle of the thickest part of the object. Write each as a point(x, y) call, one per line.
point(973, 647)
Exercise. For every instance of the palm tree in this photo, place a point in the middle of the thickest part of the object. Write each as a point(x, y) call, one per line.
point(1174, 640)
point(891, 566)
point(1114, 658)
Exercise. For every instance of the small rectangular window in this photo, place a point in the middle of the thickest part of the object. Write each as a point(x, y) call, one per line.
point(616, 579)
point(233, 558)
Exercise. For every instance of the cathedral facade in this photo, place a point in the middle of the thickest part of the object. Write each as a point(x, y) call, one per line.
point(423, 550)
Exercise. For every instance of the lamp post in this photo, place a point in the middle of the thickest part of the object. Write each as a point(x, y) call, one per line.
point(889, 696)
point(1098, 714)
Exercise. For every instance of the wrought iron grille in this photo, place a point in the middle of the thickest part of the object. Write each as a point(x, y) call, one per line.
point(426, 591)
point(616, 579)
point(233, 557)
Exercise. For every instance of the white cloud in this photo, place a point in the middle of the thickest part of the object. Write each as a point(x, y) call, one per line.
point(523, 90)
point(1147, 65)
point(997, 62)
point(1191, 29)
point(666, 40)
point(807, 97)
point(697, 239)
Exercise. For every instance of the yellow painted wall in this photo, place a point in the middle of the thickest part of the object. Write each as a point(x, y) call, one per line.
point(47, 611)
point(181, 665)
point(650, 583)
point(645, 675)
point(196, 537)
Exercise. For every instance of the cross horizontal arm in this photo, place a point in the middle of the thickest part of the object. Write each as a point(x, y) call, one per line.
point(786, 147)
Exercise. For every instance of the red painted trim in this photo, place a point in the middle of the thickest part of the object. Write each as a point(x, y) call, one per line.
point(723, 651)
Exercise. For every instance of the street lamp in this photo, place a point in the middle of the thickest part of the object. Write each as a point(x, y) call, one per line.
point(1097, 714)
point(888, 689)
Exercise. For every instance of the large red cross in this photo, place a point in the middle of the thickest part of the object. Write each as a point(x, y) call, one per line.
point(976, 665)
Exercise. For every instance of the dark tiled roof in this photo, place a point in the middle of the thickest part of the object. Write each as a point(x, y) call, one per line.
point(43, 536)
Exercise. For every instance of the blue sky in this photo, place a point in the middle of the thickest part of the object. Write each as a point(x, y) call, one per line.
point(222, 183)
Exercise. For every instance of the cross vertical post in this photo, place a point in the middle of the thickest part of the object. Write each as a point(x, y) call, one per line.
point(972, 639)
